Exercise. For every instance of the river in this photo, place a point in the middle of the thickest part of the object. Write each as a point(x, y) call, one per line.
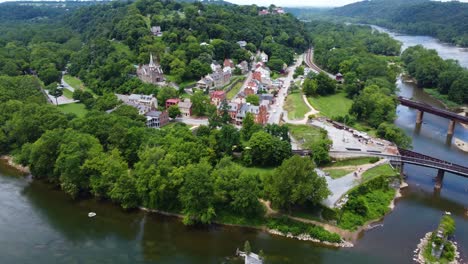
point(40, 224)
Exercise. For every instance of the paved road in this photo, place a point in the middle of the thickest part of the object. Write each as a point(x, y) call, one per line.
point(67, 86)
point(341, 186)
point(277, 108)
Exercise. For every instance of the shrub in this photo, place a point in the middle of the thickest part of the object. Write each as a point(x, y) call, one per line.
point(329, 214)
point(286, 225)
point(374, 159)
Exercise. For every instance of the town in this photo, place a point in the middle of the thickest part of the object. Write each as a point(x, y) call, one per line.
point(180, 131)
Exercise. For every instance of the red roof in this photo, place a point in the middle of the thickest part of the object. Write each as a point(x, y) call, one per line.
point(252, 84)
point(218, 93)
point(172, 100)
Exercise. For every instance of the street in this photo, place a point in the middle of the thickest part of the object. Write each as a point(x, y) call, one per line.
point(277, 108)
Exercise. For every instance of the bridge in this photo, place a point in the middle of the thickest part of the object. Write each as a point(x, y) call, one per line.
point(422, 108)
point(411, 157)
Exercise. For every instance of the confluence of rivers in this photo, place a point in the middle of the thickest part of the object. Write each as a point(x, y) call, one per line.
point(39, 224)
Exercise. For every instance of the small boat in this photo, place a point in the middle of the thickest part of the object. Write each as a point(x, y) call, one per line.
point(91, 214)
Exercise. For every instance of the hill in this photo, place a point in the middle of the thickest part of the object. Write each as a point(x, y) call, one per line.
point(102, 42)
point(448, 21)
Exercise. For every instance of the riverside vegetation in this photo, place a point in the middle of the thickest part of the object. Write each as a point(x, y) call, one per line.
point(367, 59)
point(115, 156)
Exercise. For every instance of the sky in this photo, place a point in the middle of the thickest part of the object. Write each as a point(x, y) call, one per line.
point(298, 2)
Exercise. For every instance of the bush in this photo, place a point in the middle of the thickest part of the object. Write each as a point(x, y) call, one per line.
point(374, 159)
point(286, 225)
point(329, 214)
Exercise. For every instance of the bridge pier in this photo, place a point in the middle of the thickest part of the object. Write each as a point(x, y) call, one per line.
point(419, 117)
point(439, 179)
point(451, 127)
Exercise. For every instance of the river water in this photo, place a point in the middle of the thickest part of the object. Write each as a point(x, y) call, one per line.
point(40, 224)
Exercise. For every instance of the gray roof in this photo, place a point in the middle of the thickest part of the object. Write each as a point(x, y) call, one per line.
point(153, 113)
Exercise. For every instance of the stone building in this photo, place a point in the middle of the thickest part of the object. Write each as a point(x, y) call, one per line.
point(150, 73)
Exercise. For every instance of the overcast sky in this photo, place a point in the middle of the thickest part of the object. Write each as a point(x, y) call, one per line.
point(297, 2)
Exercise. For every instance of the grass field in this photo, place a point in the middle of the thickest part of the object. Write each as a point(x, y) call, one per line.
point(262, 172)
point(67, 93)
point(305, 134)
point(75, 108)
point(234, 90)
point(332, 105)
point(296, 106)
point(337, 173)
point(381, 170)
point(77, 84)
point(353, 161)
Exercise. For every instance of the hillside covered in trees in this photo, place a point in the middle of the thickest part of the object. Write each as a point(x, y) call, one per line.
point(102, 43)
point(447, 21)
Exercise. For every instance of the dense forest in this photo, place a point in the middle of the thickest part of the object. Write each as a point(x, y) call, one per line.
point(103, 42)
point(447, 21)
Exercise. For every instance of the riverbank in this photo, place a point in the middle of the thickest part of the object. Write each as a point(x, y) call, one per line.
point(10, 162)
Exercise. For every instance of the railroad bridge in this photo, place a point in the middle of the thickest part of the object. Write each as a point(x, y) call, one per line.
point(410, 157)
point(422, 108)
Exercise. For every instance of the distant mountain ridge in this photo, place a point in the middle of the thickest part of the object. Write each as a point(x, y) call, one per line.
point(447, 21)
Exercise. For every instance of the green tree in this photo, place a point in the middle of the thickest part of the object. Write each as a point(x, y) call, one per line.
point(55, 91)
point(124, 192)
point(265, 150)
point(276, 64)
point(394, 134)
point(325, 85)
point(174, 111)
point(309, 87)
point(320, 151)
point(199, 103)
point(166, 93)
point(104, 171)
point(197, 193)
point(253, 99)
point(71, 157)
point(294, 183)
point(248, 126)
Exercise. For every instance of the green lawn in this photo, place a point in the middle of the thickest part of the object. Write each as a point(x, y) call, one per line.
point(296, 106)
point(332, 105)
point(75, 108)
point(77, 84)
point(67, 93)
point(73, 82)
point(234, 90)
point(188, 83)
point(381, 170)
point(305, 134)
point(337, 173)
point(354, 161)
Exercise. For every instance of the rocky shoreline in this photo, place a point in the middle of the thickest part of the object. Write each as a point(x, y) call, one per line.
point(306, 237)
point(419, 251)
point(11, 163)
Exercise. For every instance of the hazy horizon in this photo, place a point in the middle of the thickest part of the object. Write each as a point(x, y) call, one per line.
point(284, 3)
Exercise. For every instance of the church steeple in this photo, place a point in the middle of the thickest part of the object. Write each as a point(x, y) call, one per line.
point(151, 64)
